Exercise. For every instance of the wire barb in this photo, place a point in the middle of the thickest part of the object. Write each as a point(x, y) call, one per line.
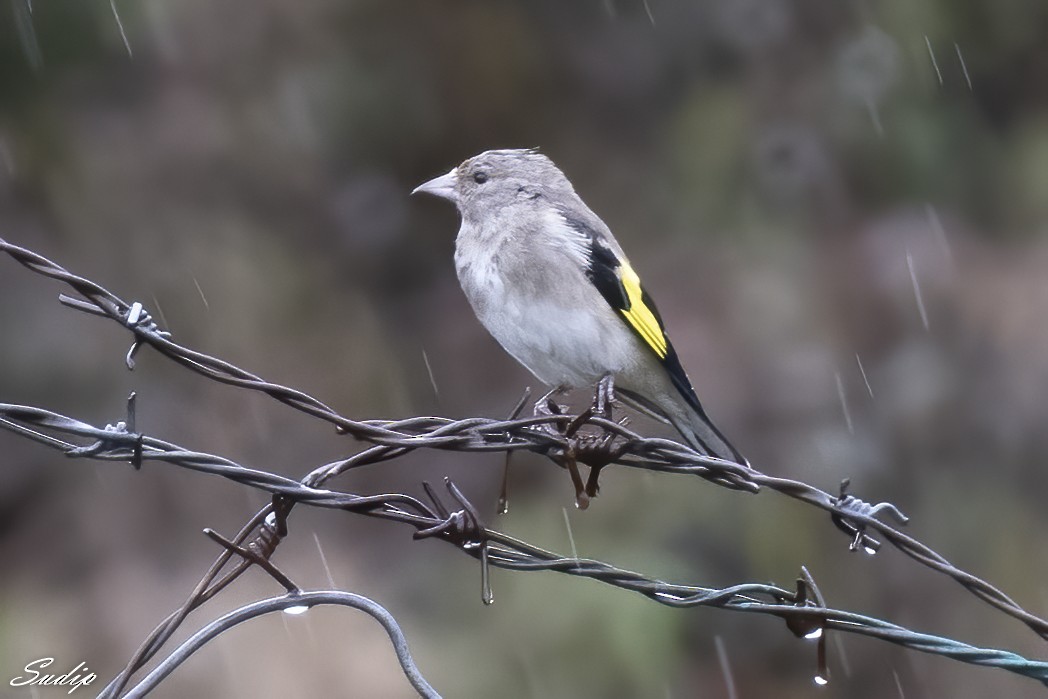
point(844, 517)
point(256, 555)
point(811, 628)
point(115, 437)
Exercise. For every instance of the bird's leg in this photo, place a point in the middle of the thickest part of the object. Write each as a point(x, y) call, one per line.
point(604, 398)
point(603, 402)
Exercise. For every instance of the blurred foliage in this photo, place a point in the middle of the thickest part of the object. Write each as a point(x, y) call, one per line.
point(789, 176)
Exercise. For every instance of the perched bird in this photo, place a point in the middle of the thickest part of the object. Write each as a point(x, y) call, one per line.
point(549, 281)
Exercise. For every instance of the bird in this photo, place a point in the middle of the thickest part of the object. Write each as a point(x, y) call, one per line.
point(549, 281)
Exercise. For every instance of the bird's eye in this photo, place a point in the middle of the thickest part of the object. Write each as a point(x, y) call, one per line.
point(480, 177)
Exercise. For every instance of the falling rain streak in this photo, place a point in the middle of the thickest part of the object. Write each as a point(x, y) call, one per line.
point(429, 370)
point(722, 658)
point(324, 561)
point(120, 26)
point(23, 12)
point(844, 402)
point(964, 67)
point(201, 292)
point(875, 117)
point(917, 290)
point(935, 64)
point(898, 684)
point(842, 655)
point(869, 388)
point(571, 538)
point(647, 9)
point(160, 312)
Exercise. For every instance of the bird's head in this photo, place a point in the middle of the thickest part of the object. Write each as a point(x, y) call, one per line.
point(496, 179)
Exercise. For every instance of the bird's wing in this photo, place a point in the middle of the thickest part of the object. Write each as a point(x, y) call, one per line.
point(612, 275)
point(620, 286)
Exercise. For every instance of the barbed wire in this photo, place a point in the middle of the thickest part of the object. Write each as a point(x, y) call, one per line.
point(802, 609)
point(555, 435)
point(591, 438)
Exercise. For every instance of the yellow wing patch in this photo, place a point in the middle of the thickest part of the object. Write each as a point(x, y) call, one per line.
point(639, 315)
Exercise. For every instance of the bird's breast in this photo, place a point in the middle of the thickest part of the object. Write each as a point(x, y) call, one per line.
point(545, 313)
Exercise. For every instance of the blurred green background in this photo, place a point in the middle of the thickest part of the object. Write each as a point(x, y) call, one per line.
point(811, 189)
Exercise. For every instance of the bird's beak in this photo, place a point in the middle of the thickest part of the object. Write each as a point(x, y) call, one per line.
point(443, 186)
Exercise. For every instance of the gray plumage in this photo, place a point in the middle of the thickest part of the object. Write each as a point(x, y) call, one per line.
point(549, 281)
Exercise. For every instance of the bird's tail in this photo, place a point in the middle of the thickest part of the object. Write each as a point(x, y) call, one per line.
point(701, 434)
point(686, 414)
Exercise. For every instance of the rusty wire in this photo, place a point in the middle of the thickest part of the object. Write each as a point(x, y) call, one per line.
point(600, 442)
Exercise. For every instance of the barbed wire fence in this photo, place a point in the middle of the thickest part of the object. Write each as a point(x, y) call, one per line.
point(592, 438)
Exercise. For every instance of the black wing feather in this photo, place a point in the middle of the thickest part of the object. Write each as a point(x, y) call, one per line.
point(603, 272)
